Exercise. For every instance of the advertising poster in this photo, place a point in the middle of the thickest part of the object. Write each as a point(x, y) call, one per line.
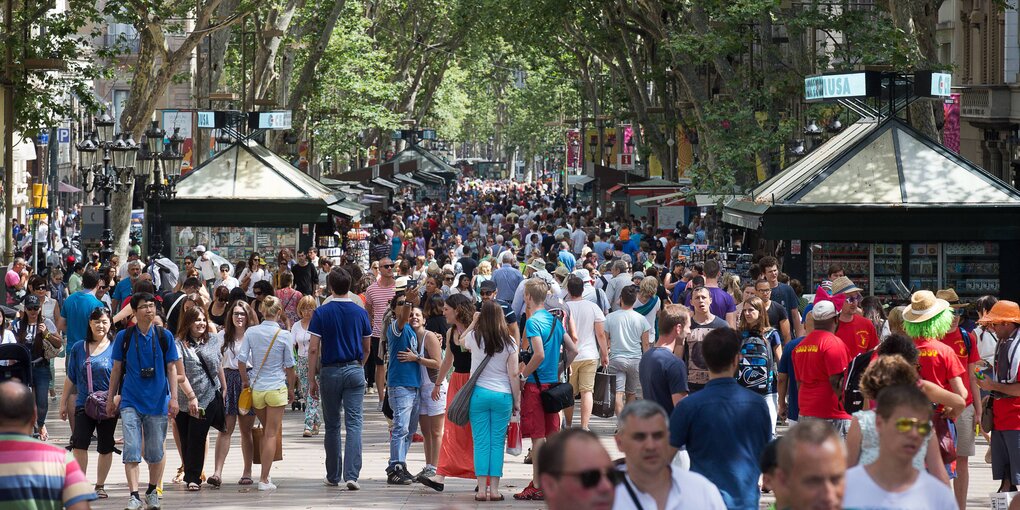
point(574, 147)
point(185, 120)
point(951, 128)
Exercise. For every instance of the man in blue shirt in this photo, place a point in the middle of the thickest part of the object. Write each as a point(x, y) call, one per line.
point(341, 337)
point(787, 383)
point(507, 278)
point(403, 378)
point(724, 427)
point(124, 287)
point(76, 311)
point(566, 258)
point(546, 336)
point(663, 375)
point(147, 363)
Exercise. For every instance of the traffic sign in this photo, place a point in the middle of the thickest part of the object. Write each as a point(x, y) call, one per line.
point(43, 138)
point(63, 135)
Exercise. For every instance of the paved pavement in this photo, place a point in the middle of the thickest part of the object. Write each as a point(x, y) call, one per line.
point(299, 475)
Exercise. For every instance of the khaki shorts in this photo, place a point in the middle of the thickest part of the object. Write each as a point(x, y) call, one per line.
point(965, 433)
point(582, 375)
point(271, 398)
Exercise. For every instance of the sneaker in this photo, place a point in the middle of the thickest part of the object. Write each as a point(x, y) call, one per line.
point(267, 486)
point(530, 493)
point(353, 485)
point(399, 476)
point(134, 504)
point(327, 483)
point(152, 501)
point(426, 472)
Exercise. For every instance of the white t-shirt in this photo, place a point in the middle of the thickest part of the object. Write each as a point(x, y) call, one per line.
point(257, 275)
point(585, 315)
point(690, 491)
point(927, 493)
point(301, 338)
point(495, 377)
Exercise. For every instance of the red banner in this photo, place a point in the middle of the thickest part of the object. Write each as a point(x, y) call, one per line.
point(951, 128)
point(574, 148)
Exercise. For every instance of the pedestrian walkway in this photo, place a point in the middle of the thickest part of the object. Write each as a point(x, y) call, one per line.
point(299, 475)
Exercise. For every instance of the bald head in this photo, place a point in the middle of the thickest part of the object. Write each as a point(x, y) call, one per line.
point(17, 407)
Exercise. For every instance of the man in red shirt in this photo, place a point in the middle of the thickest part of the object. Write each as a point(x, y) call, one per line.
point(819, 362)
point(856, 332)
point(1004, 320)
point(965, 346)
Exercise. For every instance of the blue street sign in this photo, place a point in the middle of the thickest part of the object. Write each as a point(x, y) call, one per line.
point(43, 138)
point(63, 135)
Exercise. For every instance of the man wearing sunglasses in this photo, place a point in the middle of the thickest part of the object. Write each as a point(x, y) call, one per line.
point(852, 328)
point(903, 420)
point(1004, 320)
point(576, 472)
point(651, 481)
point(377, 301)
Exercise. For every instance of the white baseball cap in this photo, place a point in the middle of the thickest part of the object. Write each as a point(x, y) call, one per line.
point(823, 310)
point(200, 249)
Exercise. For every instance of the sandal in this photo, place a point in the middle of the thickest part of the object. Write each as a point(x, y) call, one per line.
point(245, 480)
point(179, 477)
point(194, 487)
point(101, 492)
point(215, 481)
point(500, 498)
point(307, 433)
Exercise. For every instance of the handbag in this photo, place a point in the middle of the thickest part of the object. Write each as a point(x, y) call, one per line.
point(244, 399)
point(514, 435)
point(604, 398)
point(256, 439)
point(95, 403)
point(215, 414)
point(558, 396)
point(987, 414)
point(459, 410)
point(945, 435)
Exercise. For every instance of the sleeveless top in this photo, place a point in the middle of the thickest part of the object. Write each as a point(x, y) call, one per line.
point(869, 441)
point(461, 356)
point(219, 320)
point(48, 307)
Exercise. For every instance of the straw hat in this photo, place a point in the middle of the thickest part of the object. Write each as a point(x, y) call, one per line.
point(950, 296)
point(1002, 311)
point(844, 285)
point(923, 306)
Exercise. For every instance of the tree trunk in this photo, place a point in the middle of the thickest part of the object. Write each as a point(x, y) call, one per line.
point(265, 74)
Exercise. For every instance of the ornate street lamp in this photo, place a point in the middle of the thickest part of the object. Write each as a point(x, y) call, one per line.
point(104, 159)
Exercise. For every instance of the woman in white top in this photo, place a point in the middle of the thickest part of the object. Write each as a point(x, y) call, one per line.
point(252, 273)
point(270, 349)
point(50, 307)
point(305, 308)
point(241, 316)
point(496, 395)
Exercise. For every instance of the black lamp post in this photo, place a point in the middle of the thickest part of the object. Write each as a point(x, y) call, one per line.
point(593, 146)
point(99, 174)
point(164, 164)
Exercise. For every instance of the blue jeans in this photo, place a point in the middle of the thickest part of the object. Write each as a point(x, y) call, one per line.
point(142, 429)
point(342, 388)
point(41, 387)
point(404, 401)
point(490, 416)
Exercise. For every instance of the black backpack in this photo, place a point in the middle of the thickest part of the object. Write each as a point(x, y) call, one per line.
point(853, 399)
point(755, 369)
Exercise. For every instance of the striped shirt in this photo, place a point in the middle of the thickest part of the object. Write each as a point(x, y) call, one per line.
point(37, 476)
point(379, 297)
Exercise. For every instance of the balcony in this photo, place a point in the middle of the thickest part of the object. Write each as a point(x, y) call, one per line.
point(988, 102)
point(127, 42)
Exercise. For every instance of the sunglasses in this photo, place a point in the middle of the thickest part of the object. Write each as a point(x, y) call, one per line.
point(240, 314)
point(388, 266)
point(257, 294)
point(905, 424)
point(32, 308)
point(592, 477)
point(853, 299)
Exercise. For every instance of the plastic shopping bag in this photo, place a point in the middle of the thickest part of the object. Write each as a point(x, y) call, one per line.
point(514, 438)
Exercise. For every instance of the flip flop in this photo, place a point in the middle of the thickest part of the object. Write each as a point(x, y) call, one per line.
point(101, 492)
point(214, 480)
point(245, 480)
point(481, 500)
point(500, 498)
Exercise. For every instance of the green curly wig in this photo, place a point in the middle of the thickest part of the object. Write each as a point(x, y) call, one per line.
point(935, 327)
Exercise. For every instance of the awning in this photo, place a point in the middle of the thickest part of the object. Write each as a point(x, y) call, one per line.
point(430, 177)
point(385, 183)
point(352, 210)
point(656, 200)
point(880, 182)
point(579, 180)
point(409, 180)
point(614, 189)
point(707, 200)
point(63, 187)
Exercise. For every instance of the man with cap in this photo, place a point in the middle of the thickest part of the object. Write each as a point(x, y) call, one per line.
point(853, 329)
point(1004, 321)
point(487, 291)
point(206, 266)
point(591, 293)
point(535, 269)
point(819, 362)
point(964, 345)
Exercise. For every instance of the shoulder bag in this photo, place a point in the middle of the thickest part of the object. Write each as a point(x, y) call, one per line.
point(95, 403)
point(558, 396)
point(459, 410)
point(214, 411)
point(244, 399)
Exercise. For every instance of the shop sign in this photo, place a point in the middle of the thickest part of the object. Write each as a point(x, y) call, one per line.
point(933, 84)
point(836, 86)
point(270, 120)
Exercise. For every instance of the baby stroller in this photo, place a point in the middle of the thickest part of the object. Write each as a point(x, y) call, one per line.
point(16, 363)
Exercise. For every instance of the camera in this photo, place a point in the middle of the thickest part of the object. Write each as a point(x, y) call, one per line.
point(148, 372)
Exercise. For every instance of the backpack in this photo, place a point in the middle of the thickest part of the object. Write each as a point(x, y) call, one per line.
point(755, 369)
point(851, 396)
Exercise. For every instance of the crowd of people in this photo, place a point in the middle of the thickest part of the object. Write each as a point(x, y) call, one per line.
point(491, 312)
